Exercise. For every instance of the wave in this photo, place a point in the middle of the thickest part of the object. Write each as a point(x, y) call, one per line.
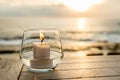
point(71, 36)
point(72, 41)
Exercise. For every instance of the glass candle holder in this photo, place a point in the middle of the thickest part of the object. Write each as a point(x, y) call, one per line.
point(41, 49)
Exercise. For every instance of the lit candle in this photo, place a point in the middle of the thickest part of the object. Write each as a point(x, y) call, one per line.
point(41, 54)
point(41, 49)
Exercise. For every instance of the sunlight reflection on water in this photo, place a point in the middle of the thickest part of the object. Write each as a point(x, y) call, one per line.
point(81, 24)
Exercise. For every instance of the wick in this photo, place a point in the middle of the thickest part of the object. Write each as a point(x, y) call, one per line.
point(41, 41)
point(41, 38)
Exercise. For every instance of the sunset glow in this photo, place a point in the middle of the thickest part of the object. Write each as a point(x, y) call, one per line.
point(81, 23)
point(81, 5)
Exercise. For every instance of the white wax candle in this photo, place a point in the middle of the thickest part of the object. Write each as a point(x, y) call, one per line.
point(41, 63)
point(41, 51)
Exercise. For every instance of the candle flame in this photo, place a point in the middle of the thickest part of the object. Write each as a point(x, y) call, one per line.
point(42, 37)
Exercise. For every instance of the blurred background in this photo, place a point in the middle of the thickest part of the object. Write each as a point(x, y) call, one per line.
point(89, 27)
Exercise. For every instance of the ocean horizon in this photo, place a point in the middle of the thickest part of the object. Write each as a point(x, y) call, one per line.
point(76, 33)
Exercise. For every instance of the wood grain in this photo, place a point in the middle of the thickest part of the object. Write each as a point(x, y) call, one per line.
point(9, 68)
point(83, 68)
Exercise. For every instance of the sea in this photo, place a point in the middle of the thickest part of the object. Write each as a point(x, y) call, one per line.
point(75, 32)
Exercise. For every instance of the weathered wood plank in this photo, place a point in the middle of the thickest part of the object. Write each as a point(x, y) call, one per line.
point(91, 59)
point(100, 78)
point(70, 58)
point(71, 74)
point(95, 65)
point(88, 68)
point(9, 68)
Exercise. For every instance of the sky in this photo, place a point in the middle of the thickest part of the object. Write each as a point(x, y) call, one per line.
point(60, 8)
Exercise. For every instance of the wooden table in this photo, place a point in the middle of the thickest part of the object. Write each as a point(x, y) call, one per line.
point(73, 66)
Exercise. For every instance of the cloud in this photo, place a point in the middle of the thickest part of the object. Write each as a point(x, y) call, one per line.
point(108, 9)
point(26, 2)
point(36, 8)
point(46, 10)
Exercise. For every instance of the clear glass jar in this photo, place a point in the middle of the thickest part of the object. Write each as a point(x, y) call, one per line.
point(41, 53)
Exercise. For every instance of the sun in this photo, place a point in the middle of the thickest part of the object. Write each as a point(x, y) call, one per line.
point(80, 5)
